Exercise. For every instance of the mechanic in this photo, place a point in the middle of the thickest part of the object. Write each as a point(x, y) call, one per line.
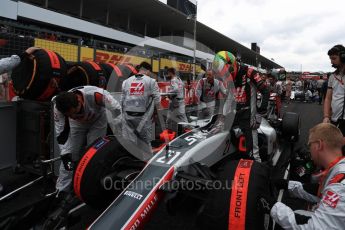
point(80, 118)
point(227, 68)
point(255, 122)
point(177, 107)
point(207, 90)
point(288, 89)
point(9, 63)
point(275, 85)
point(325, 143)
point(334, 104)
point(140, 96)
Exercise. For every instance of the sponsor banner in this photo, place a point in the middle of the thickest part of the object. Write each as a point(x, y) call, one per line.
point(67, 51)
point(119, 58)
point(180, 66)
point(312, 77)
point(86, 54)
point(155, 66)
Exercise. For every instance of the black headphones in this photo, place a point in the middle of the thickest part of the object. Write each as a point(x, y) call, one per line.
point(341, 52)
point(342, 56)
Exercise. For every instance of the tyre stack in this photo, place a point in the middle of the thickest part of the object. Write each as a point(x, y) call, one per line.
point(38, 75)
point(45, 73)
point(83, 73)
point(116, 74)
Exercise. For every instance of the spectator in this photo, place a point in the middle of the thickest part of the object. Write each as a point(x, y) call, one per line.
point(324, 87)
point(275, 86)
point(334, 105)
point(299, 84)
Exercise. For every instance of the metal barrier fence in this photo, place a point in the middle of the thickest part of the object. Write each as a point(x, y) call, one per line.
point(15, 38)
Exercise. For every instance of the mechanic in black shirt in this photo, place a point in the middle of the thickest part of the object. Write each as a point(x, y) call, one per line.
point(227, 68)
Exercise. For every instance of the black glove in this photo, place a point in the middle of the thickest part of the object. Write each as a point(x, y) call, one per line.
point(265, 204)
point(67, 161)
point(262, 112)
point(281, 184)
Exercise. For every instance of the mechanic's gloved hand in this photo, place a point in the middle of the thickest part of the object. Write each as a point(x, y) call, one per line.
point(67, 161)
point(281, 184)
point(262, 112)
point(265, 204)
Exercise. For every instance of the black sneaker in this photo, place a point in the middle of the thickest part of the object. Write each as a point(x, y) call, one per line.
point(59, 216)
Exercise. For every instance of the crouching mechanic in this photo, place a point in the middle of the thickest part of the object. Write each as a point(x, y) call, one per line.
point(207, 90)
point(325, 143)
point(229, 70)
point(80, 118)
point(140, 95)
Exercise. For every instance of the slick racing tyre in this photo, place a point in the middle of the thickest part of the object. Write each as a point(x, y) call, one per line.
point(235, 205)
point(104, 171)
point(291, 126)
point(83, 73)
point(38, 75)
point(116, 74)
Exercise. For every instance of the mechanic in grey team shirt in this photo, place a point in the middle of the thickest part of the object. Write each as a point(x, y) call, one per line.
point(9, 63)
point(140, 95)
point(207, 90)
point(177, 107)
point(80, 118)
point(255, 122)
point(325, 143)
point(333, 110)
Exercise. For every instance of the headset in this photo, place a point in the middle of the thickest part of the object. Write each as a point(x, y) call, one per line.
point(341, 52)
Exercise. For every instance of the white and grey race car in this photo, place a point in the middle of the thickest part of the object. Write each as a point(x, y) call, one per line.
point(128, 190)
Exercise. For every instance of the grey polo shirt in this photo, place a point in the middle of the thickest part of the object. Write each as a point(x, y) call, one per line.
point(336, 83)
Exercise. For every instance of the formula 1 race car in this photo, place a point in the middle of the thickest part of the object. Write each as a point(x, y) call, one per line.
point(128, 190)
point(203, 163)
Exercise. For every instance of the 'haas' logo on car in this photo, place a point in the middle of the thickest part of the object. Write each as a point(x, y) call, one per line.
point(137, 88)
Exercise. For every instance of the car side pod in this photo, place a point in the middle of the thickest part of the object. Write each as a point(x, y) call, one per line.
point(291, 126)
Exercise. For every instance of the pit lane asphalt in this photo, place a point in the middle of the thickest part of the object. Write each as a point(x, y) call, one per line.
point(310, 114)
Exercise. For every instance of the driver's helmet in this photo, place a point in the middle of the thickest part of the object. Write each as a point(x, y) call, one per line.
point(224, 63)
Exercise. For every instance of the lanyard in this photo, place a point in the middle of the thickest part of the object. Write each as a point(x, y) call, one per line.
point(339, 80)
point(325, 173)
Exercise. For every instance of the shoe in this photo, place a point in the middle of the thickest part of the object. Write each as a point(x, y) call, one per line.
point(59, 217)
